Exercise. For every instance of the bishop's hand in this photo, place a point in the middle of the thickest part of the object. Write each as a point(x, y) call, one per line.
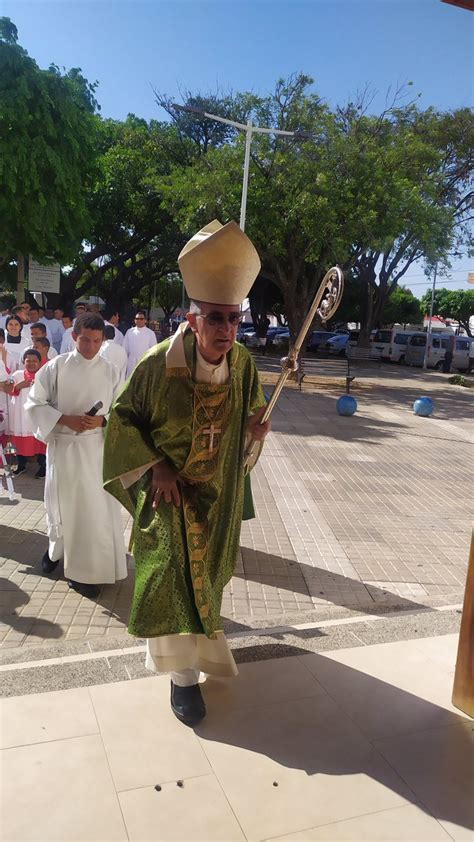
point(255, 429)
point(164, 484)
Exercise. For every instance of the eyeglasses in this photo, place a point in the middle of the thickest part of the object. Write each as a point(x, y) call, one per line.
point(139, 318)
point(221, 319)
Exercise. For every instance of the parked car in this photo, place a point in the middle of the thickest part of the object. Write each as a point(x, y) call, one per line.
point(318, 338)
point(461, 352)
point(245, 327)
point(391, 343)
point(253, 341)
point(282, 339)
point(337, 344)
point(437, 347)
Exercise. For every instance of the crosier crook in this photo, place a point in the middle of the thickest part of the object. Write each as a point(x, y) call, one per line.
point(325, 303)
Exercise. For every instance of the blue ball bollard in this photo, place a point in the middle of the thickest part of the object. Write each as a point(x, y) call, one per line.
point(423, 406)
point(346, 405)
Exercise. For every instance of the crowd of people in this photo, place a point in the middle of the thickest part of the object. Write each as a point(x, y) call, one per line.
point(29, 338)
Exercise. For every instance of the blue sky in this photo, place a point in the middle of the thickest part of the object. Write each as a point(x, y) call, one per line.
point(202, 45)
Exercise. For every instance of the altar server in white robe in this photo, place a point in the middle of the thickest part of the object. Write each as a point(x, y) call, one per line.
point(138, 340)
point(114, 353)
point(84, 522)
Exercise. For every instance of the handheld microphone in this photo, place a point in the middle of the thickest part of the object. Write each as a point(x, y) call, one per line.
point(94, 409)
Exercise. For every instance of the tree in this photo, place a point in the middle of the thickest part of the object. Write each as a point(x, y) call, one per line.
point(133, 240)
point(402, 308)
point(370, 193)
point(298, 213)
point(47, 155)
point(416, 194)
point(456, 304)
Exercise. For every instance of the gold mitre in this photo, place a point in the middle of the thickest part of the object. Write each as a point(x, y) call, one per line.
point(219, 264)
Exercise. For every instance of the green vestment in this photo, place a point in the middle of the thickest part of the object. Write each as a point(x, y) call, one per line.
point(185, 555)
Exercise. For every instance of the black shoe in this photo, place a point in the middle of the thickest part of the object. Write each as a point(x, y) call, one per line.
point(47, 565)
point(41, 473)
point(90, 591)
point(187, 704)
point(20, 469)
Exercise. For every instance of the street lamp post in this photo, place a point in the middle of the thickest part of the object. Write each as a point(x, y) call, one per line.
point(428, 335)
point(249, 130)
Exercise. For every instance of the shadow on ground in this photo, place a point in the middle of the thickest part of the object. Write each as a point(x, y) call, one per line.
point(297, 577)
point(361, 727)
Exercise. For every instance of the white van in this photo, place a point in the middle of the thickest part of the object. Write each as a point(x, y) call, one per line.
point(391, 343)
point(461, 352)
point(381, 342)
point(437, 347)
point(398, 345)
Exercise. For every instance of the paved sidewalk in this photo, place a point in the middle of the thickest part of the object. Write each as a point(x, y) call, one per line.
point(365, 513)
point(358, 743)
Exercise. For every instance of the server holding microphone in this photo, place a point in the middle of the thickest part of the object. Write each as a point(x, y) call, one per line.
point(69, 404)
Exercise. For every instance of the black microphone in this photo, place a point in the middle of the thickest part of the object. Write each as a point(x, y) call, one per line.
point(94, 409)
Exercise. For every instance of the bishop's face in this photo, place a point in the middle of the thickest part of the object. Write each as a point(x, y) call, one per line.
point(215, 329)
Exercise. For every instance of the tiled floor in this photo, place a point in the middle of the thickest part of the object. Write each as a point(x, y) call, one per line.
point(356, 744)
point(362, 511)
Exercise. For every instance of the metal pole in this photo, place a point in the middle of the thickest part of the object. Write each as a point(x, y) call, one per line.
point(245, 183)
point(428, 335)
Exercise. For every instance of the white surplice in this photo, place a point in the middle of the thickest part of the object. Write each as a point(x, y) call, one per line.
point(84, 522)
point(138, 340)
point(115, 354)
point(118, 337)
point(190, 654)
point(68, 344)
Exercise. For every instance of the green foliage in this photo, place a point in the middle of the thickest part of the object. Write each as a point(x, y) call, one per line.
point(457, 304)
point(47, 157)
point(460, 380)
point(372, 194)
point(402, 308)
point(8, 31)
point(133, 239)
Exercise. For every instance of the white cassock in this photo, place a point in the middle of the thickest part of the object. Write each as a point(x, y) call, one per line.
point(119, 337)
point(15, 351)
point(84, 522)
point(68, 344)
point(138, 340)
point(4, 376)
point(115, 354)
point(52, 353)
point(48, 325)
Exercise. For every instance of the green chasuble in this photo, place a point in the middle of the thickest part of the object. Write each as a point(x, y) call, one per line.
point(185, 555)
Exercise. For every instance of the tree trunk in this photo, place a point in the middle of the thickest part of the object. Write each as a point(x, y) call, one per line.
point(20, 279)
point(366, 324)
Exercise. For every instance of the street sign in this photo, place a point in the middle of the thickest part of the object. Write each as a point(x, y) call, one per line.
point(43, 278)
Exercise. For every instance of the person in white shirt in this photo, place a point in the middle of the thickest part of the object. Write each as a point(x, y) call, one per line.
point(84, 522)
point(56, 327)
point(111, 317)
point(15, 343)
point(34, 319)
point(138, 340)
point(39, 331)
point(47, 352)
point(21, 311)
point(114, 353)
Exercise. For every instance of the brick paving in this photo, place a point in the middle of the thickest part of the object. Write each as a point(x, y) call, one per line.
point(367, 511)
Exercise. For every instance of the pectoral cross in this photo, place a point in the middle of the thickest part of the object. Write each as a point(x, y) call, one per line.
point(211, 431)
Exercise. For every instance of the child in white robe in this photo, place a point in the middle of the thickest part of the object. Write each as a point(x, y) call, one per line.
point(19, 427)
